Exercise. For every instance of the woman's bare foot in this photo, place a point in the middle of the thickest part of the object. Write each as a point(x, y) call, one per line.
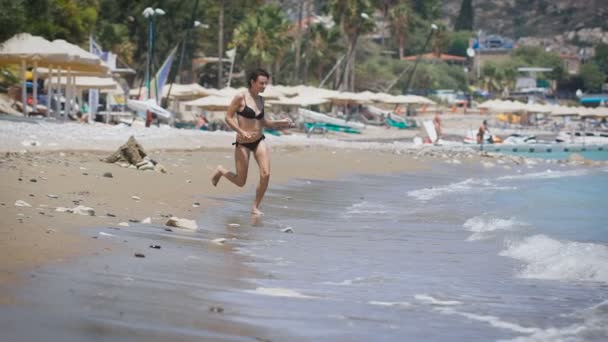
point(256, 211)
point(217, 175)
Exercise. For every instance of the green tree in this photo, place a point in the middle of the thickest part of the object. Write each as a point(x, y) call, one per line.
point(465, 18)
point(354, 17)
point(592, 76)
point(538, 57)
point(71, 20)
point(440, 40)
point(459, 42)
point(12, 18)
point(400, 18)
point(428, 9)
point(323, 48)
point(601, 57)
point(264, 35)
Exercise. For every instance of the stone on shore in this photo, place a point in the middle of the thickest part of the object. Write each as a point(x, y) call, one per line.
point(182, 223)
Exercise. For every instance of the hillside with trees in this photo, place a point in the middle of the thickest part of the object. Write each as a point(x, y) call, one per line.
point(347, 44)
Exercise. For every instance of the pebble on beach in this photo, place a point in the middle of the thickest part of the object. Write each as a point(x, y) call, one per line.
point(182, 223)
point(219, 241)
point(20, 203)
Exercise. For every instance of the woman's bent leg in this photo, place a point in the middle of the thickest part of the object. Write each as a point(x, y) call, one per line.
point(241, 161)
point(262, 157)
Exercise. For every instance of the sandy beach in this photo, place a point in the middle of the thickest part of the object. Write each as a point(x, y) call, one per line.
point(208, 284)
point(35, 235)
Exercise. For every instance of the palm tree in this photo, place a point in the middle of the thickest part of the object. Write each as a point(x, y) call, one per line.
point(440, 40)
point(354, 18)
point(265, 37)
point(323, 48)
point(400, 19)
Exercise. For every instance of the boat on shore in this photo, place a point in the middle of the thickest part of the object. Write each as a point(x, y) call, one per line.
point(586, 138)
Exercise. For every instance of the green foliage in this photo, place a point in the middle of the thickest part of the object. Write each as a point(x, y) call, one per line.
point(459, 42)
point(12, 18)
point(428, 9)
point(440, 40)
point(438, 75)
point(349, 14)
point(465, 17)
point(592, 76)
point(376, 72)
point(538, 57)
point(601, 57)
point(263, 37)
point(322, 49)
point(400, 21)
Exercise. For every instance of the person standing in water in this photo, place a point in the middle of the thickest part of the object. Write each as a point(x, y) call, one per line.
point(246, 117)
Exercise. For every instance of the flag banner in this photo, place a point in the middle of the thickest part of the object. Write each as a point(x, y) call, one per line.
point(93, 101)
point(162, 75)
point(95, 49)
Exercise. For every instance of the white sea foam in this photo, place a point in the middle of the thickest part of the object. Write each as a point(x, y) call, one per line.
point(484, 227)
point(594, 325)
point(491, 320)
point(365, 208)
point(469, 185)
point(358, 280)
point(380, 303)
point(434, 301)
point(547, 174)
point(278, 292)
point(546, 258)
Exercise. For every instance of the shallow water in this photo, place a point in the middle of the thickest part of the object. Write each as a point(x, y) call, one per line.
point(454, 254)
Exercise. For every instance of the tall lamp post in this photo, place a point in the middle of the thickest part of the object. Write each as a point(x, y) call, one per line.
point(177, 75)
point(428, 38)
point(149, 13)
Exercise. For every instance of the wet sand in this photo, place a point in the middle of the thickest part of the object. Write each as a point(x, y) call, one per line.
point(37, 237)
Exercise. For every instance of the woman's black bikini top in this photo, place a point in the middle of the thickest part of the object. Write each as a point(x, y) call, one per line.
point(249, 113)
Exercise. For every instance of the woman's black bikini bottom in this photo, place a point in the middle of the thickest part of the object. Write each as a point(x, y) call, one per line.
point(252, 146)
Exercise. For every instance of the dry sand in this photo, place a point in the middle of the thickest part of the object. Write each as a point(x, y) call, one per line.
point(37, 235)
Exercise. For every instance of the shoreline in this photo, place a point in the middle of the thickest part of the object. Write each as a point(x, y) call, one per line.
point(34, 236)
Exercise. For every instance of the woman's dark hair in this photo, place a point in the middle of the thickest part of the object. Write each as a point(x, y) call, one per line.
point(253, 76)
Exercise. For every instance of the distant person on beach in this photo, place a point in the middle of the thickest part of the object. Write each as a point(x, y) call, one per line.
point(437, 124)
point(483, 129)
point(246, 117)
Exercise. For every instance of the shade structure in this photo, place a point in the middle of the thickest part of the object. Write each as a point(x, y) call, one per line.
point(149, 105)
point(178, 91)
point(503, 106)
point(272, 92)
point(286, 90)
point(563, 111)
point(88, 82)
point(24, 47)
point(405, 99)
point(319, 92)
point(230, 92)
point(299, 101)
point(537, 108)
point(349, 98)
point(216, 103)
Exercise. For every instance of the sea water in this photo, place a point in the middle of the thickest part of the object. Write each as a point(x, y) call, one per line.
point(454, 254)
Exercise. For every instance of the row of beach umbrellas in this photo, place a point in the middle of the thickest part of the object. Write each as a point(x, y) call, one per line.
point(507, 106)
point(59, 58)
point(301, 96)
